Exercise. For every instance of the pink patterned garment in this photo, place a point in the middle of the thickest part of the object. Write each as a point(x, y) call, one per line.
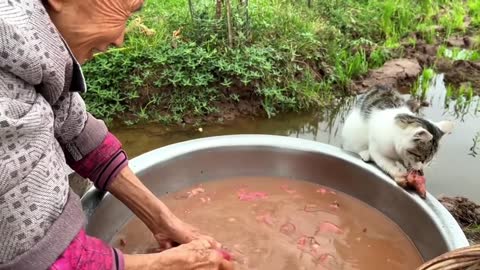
point(103, 164)
point(89, 253)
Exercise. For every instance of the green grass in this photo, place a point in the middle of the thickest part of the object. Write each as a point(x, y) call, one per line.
point(465, 91)
point(423, 83)
point(474, 8)
point(453, 19)
point(458, 53)
point(183, 61)
point(462, 101)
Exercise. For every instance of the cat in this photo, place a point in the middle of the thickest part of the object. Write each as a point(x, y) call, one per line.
point(383, 129)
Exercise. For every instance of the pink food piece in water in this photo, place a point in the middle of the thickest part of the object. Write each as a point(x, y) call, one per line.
point(195, 191)
point(334, 205)
point(288, 189)
point(322, 191)
point(328, 227)
point(312, 208)
point(244, 195)
point(417, 181)
point(288, 228)
point(205, 199)
point(326, 259)
point(302, 241)
point(265, 218)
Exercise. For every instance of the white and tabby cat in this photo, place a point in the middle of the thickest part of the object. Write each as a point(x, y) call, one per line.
point(382, 128)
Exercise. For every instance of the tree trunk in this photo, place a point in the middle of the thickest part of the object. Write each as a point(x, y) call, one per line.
point(190, 7)
point(247, 20)
point(219, 9)
point(229, 22)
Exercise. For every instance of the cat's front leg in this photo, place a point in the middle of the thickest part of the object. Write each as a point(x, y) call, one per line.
point(395, 169)
point(365, 155)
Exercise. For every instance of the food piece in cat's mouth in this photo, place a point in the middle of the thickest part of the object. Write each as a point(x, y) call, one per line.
point(416, 181)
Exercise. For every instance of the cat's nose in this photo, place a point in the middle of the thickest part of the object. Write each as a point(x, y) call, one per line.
point(418, 166)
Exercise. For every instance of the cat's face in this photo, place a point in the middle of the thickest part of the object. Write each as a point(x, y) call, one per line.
point(421, 141)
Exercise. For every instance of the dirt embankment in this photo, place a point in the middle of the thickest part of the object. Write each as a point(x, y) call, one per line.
point(460, 71)
point(401, 73)
point(467, 214)
point(397, 73)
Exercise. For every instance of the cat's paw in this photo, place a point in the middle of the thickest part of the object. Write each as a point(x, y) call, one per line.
point(365, 155)
point(401, 181)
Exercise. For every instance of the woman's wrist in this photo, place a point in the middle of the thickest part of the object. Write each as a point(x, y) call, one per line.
point(143, 203)
point(143, 261)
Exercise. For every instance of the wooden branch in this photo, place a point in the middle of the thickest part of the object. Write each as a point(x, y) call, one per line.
point(190, 6)
point(229, 22)
point(219, 9)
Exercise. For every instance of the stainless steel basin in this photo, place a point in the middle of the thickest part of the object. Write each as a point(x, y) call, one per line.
point(430, 226)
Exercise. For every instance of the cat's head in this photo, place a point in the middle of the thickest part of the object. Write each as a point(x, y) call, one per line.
point(419, 140)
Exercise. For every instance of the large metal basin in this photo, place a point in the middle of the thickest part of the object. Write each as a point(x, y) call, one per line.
point(428, 224)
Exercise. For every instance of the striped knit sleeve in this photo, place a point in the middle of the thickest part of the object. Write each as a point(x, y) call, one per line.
point(89, 148)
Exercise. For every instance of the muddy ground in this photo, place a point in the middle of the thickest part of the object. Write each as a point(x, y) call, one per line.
point(397, 73)
point(401, 73)
point(458, 72)
point(467, 214)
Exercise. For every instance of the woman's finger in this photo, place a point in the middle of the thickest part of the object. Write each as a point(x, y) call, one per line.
point(226, 265)
point(225, 254)
point(217, 259)
point(166, 245)
point(201, 244)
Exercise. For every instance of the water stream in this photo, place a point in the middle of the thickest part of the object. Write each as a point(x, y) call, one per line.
point(454, 172)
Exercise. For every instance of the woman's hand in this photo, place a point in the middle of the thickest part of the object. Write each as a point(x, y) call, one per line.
point(196, 255)
point(180, 232)
point(165, 226)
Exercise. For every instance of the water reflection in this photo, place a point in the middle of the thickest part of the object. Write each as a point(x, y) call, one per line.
point(475, 147)
point(455, 171)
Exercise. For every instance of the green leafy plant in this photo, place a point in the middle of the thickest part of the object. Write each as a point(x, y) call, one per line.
point(458, 53)
point(423, 83)
point(186, 59)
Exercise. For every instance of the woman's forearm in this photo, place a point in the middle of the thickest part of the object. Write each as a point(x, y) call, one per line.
point(138, 262)
point(141, 201)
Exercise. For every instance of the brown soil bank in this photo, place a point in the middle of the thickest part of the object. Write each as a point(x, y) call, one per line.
point(460, 71)
point(401, 73)
point(467, 214)
point(397, 73)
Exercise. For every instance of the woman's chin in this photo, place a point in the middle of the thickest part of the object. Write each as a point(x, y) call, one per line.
point(85, 58)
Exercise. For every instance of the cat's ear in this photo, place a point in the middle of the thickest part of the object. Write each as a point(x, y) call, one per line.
point(445, 126)
point(422, 135)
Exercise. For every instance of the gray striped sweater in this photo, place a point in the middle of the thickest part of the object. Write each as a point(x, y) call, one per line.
point(41, 113)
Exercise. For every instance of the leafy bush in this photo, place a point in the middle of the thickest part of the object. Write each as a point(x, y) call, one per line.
point(185, 58)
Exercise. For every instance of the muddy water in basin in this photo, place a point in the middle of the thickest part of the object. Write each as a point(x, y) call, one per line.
point(454, 171)
point(281, 224)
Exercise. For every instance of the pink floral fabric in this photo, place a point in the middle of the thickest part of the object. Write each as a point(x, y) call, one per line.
point(89, 253)
point(103, 164)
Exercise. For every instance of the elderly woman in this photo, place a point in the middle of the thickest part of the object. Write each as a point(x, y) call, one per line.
point(44, 127)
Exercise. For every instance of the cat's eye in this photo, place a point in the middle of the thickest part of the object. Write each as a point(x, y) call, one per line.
point(422, 133)
point(414, 154)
